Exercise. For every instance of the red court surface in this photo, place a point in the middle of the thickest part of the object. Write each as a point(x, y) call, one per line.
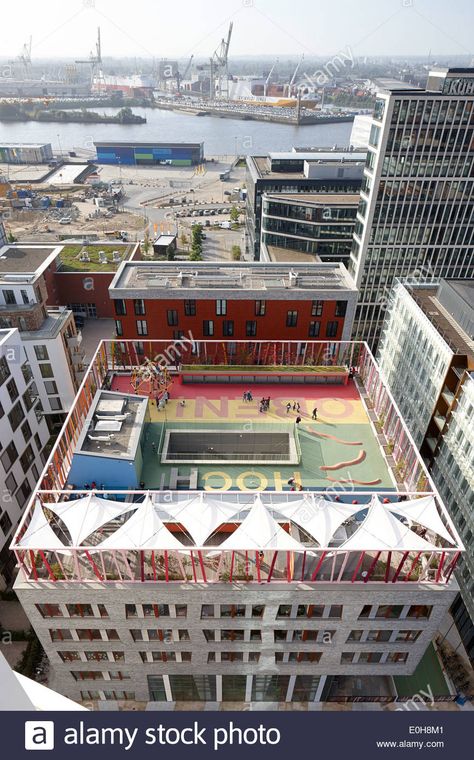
point(291, 392)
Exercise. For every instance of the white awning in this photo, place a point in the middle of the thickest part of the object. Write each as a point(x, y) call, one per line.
point(201, 517)
point(144, 530)
point(84, 516)
point(260, 531)
point(318, 516)
point(424, 512)
point(381, 531)
point(39, 534)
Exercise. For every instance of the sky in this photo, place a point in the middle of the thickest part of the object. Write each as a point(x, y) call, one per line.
point(161, 28)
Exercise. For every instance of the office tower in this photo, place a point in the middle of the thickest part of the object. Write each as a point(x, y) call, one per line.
point(189, 542)
point(325, 172)
point(417, 198)
point(426, 356)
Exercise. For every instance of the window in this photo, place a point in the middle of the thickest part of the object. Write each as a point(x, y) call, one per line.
point(27, 458)
point(341, 308)
point(26, 431)
point(16, 415)
point(234, 688)
point(172, 317)
point(368, 657)
point(9, 297)
point(95, 634)
point(9, 456)
point(228, 328)
point(419, 611)
point(207, 611)
point(251, 328)
point(11, 483)
point(194, 688)
point(23, 492)
point(221, 307)
point(331, 329)
point(139, 306)
point(291, 318)
point(85, 610)
point(208, 327)
point(260, 308)
point(120, 307)
point(24, 296)
point(232, 610)
point(118, 328)
point(355, 636)
point(190, 308)
point(379, 635)
point(314, 328)
point(317, 308)
point(407, 636)
point(347, 657)
point(258, 610)
point(60, 634)
point(49, 610)
point(50, 387)
point(397, 657)
point(41, 353)
point(46, 370)
point(142, 327)
point(5, 523)
point(12, 390)
point(269, 688)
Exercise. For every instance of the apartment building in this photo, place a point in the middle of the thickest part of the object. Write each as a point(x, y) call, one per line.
point(49, 336)
point(222, 301)
point(426, 355)
point(320, 171)
point(415, 215)
point(257, 555)
point(24, 435)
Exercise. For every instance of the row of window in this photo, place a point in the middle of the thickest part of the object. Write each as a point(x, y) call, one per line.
point(417, 611)
point(221, 309)
point(228, 327)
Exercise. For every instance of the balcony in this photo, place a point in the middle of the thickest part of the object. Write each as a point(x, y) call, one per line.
point(74, 341)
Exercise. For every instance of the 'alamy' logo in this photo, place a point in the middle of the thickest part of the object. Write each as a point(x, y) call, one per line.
point(39, 734)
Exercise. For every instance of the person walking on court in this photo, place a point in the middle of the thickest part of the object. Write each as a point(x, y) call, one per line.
point(298, 420)
point(298, 407)
point(288, 407)
point(268, 402)
point(314, 416)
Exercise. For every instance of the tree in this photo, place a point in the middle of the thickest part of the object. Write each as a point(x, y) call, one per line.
point(234, 214)
point(236, 252)
point(184, 240)
point(195, 255)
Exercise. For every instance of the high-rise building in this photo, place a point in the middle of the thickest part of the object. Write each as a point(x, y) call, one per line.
point(23, 436)
point(417, 197)
point(192, 542)
point(426, 356)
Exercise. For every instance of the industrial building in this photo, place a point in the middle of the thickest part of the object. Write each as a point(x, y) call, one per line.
point(335, 172)
point(266, 556)
point(246, 300)
point(426, 354)
point(417, 198)
point(25, 153)
point(149, 154)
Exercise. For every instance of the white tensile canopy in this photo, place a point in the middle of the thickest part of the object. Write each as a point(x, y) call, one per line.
point(318, 517)
point(424, 512)
point(381, 531)
point(260, 531)
point(84, 516)
point(39, 533)
point(201, 517)
point(144, 530)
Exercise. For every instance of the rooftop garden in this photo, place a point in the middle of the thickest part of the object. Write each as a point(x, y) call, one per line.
point(71, 262)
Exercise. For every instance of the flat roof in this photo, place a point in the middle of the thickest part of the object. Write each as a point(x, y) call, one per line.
point(70, 256)
point(246, 281)
point(26, 258)
point(315, 156)
point(146, 144)
point(281, 255)
point(24, 145)
point(164, 239)
point(263, 168)
point(450, 331)
point(104, 434)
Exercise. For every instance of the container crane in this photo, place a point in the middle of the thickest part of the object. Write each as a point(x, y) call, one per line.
point(220, 68)
point(179, 77)
point(267, 80)
point(95, 61)
point(292, 80)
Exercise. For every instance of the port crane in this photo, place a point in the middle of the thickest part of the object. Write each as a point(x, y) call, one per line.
point(293, 78)
point(25, 58)
point(95, 61)
point(219, 84)
point(181, 77)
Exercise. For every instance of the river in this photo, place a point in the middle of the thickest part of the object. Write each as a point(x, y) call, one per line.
point(222, 137)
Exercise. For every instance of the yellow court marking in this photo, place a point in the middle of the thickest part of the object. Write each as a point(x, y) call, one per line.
point(331, 410)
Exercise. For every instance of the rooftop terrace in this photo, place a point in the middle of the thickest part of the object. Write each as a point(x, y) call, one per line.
point(357, 505)
point(94, 257)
